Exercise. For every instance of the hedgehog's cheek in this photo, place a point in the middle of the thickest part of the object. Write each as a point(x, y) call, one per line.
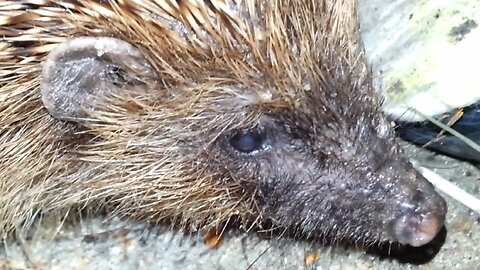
point(80, 75)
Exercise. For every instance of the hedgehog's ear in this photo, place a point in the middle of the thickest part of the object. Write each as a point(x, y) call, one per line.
point(81, 73)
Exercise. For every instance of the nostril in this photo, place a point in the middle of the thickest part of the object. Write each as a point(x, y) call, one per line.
point(416, 229)
point(418, 196)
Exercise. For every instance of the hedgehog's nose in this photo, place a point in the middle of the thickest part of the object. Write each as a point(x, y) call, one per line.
point(417, 229)
point(422, 219)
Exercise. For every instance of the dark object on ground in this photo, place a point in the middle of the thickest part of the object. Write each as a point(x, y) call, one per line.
point(424, 132)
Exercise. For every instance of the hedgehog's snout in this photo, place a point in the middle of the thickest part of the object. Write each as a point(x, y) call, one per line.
point(417, 229)
point(420, 221)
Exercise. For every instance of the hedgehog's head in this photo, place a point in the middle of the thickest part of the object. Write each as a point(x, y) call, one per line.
point(261, 110)
point(323, 162)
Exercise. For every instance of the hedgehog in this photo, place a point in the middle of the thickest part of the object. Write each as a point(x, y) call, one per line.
point(197, 114)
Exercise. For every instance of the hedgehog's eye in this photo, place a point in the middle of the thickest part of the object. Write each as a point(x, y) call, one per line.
point(247, 141)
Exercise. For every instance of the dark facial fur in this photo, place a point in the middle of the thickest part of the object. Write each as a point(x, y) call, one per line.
point(337, 174)
point(264, 113)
